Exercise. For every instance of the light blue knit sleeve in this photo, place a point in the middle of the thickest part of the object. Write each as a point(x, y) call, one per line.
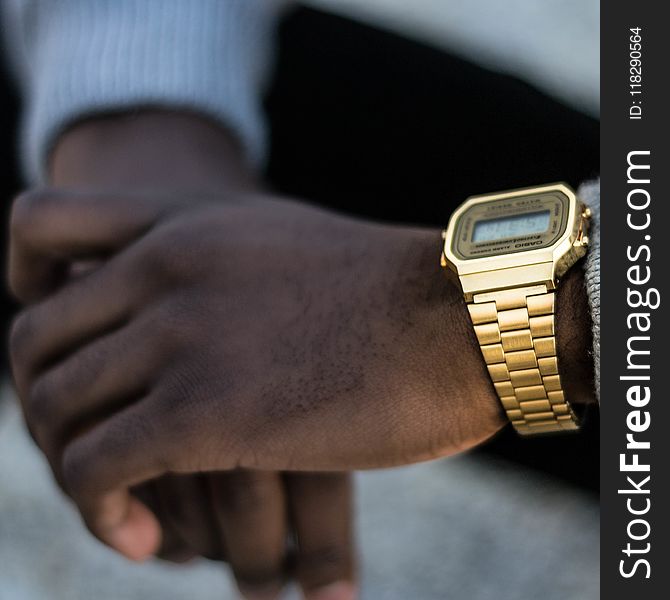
point(75, 58)
point(590, 193)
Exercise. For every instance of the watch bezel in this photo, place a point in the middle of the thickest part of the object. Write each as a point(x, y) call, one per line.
point(562, 253)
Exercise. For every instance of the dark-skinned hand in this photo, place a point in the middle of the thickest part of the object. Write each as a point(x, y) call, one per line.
point(269, 526)
point(259, 334)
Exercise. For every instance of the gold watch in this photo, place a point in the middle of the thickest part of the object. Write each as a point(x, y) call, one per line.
point(510, 250)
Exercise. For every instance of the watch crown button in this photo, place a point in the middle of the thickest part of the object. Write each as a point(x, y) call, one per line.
point(444, 234)
point(585, 240)
point(587, 213)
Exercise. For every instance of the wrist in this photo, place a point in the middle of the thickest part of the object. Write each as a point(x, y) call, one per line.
point(150, 150)
point(443, 365)
point(574, 338)
point(451, 368)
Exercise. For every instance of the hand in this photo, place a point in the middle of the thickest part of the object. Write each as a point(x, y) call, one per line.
point(246, 517)
point(260, 334)
point(242, 517)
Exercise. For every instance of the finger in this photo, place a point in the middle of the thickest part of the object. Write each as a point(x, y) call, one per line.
point(134, 445)
point(173, 547)
point(320, 505)
point(101, 465)
point(251, 511)
point(186, 503)
point(92, 383)
point(123, 523)
point(51, 227)
point(95, 303)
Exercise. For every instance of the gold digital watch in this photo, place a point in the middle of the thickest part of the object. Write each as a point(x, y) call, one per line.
point(509, 251)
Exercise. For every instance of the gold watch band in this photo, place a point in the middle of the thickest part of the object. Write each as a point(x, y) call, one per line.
point(515, 330)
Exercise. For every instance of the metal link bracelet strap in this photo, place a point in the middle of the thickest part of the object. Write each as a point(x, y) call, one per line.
point(515, 330)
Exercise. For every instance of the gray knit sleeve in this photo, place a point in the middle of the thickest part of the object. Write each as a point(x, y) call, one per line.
point(590, 193)
point(75, 58)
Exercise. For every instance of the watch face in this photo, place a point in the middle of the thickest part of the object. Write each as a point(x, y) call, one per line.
point(508, 225)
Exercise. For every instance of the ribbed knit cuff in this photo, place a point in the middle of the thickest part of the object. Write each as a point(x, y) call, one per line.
point(84, 57)
point(590, 193)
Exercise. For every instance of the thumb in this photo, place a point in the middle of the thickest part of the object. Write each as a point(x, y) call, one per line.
point(124, 523)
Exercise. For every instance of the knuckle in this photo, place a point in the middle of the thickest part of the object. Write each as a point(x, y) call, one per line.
point(190, 412)
point(26, 210)
point(20, 336)
point(83, 459)
point(171, 257)
point(174, 423)
point(176, 419)
point(180, 261)
point(326, 560)
point(157, 263)
point(82, 370)
point(172, 320)
point(42, 400)
point(76, 470)
point(92, 462)
point(149, 264)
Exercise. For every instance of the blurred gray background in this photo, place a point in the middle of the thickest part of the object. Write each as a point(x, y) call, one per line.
point(554, 44)
point(462, 528)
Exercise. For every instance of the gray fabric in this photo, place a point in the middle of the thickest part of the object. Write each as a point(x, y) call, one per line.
point(74, 58)
point(457, 528)
point(590, 193)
